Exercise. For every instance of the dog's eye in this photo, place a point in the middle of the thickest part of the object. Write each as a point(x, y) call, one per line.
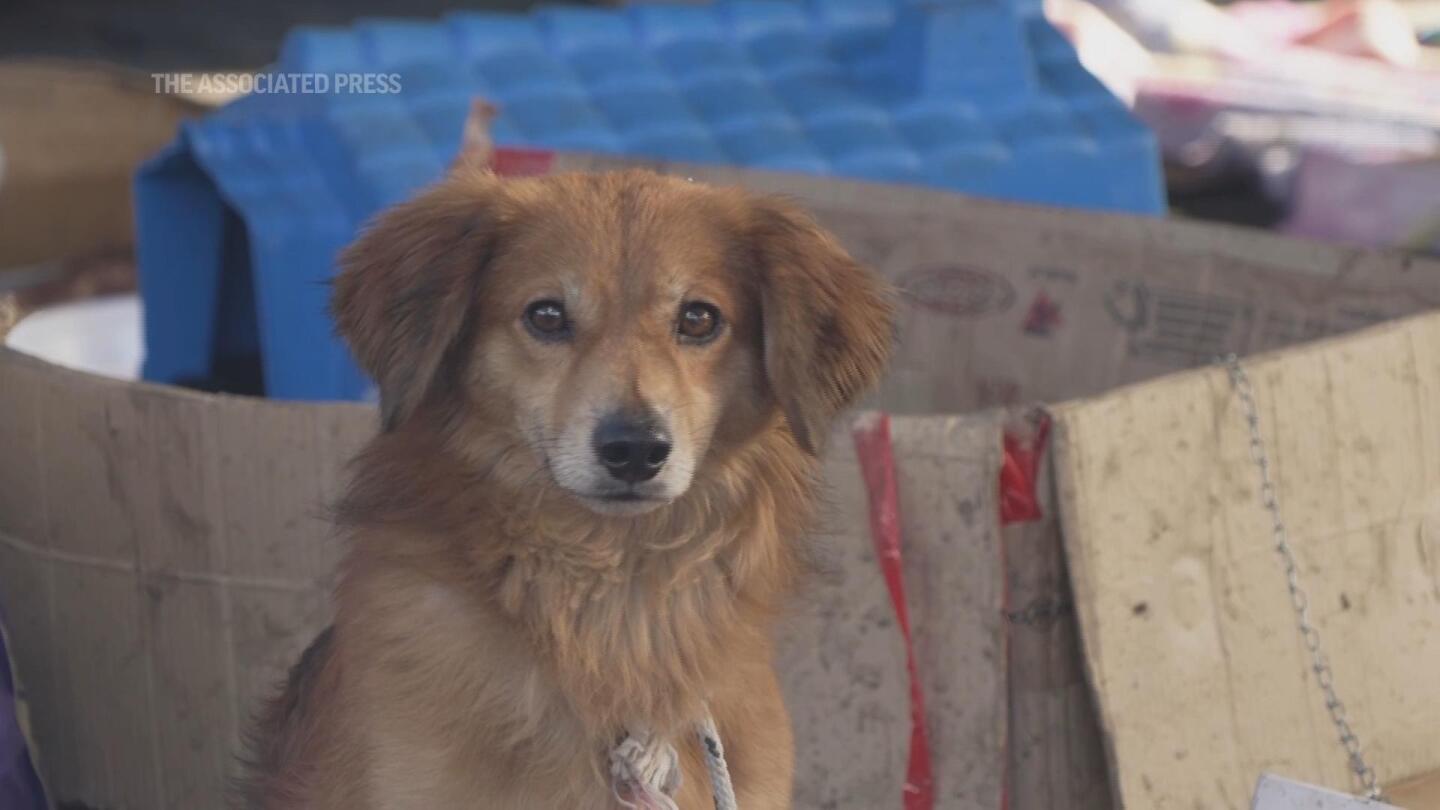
point(699, 322)
point(547, 319)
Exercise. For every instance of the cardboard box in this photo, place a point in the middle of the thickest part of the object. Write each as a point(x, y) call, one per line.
point(71, 138)
point(1008, 304)
point(163, 561)
point(1190, 635)
point(163, 558)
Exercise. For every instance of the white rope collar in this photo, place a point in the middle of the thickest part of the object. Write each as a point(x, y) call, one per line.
point(645, 769)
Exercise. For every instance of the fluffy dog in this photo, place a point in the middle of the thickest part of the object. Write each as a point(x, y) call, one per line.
point(602, 398)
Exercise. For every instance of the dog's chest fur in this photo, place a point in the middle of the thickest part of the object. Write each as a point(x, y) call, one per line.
point(521, 676)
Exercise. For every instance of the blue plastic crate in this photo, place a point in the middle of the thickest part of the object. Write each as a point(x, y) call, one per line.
point(241, 217)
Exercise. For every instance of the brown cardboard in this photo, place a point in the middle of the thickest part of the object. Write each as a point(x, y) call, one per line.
point(164, 559)
point(954, 584)
point(145, 624)
point(1010, 304)
point(841, 661)
point(71, 137)
point(1190, 637)
point(1055, 756)
point(1422, 792)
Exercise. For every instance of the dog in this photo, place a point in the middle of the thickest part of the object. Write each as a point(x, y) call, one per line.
point(602, 399)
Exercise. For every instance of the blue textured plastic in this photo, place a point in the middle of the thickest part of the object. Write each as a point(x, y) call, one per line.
point(241, 217)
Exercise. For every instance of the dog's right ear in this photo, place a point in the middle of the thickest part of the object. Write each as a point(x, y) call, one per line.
point(407, 285)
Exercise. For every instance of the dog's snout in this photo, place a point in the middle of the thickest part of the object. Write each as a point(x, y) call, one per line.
point(631, 447)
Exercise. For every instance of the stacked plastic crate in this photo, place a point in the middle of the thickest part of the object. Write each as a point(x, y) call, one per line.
point(240, 219)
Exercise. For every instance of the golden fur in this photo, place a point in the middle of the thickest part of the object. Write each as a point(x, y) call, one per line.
point(496, 628)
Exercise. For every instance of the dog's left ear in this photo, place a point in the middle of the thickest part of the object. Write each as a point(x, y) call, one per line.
point(407, 286)
point(828, 322)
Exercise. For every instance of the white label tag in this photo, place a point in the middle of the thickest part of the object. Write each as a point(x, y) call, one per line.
point(1278, 793)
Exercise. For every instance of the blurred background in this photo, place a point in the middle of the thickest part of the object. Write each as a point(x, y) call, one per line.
point(1239, 94)
point(179, 35)
point(1319, 120)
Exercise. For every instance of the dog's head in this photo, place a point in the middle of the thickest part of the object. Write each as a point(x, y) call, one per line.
point(612, 332)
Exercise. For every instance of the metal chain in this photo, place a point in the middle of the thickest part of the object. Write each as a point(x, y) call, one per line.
point(1319, 663)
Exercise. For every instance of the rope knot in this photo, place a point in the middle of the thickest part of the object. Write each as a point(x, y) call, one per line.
point(644, 772)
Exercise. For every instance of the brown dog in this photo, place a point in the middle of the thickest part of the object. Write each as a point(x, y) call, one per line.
point(601, 400)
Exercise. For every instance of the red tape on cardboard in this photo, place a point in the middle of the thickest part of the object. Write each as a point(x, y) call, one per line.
point(877, 465)
point(1019, 471)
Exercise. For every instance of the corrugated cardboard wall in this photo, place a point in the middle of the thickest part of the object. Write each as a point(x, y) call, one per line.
point(1007, 304)
point(1190, 637)
point(164, 557)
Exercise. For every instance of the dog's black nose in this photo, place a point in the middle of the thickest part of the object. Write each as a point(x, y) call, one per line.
point(631, 447)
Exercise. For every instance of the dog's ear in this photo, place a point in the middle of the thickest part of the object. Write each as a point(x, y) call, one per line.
point(827, 321)
point(407, 285)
